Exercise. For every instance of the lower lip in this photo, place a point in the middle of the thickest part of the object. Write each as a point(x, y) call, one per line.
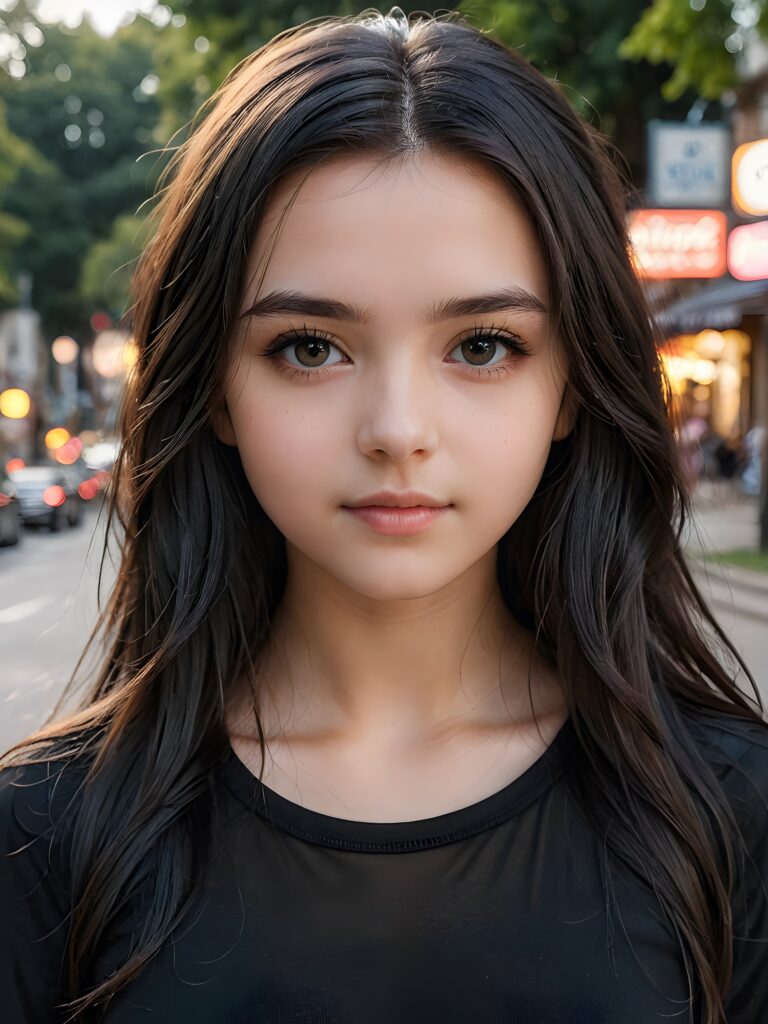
point(397, 522)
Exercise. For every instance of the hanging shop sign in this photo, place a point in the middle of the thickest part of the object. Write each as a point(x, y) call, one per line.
point(688, 164)
point(750, 178)
point(748, 251)
point(678, 243)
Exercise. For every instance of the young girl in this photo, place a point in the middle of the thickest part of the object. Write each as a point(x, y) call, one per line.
point(409, 710)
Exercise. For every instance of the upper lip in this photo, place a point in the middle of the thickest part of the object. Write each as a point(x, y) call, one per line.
point(402, 499)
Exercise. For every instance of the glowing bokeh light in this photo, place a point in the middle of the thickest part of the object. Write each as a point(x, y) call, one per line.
point(54, 496)
point(100, 321)
point(56, 437)
point(14, 403)
point(130, 354)
point(709, 344)
point(64, 350)
point(69, 452)
point(88, 488)
point(108, 354)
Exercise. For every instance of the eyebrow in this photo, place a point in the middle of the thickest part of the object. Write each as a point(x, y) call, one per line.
point(280, 303)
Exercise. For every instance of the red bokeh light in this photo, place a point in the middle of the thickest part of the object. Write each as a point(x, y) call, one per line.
point(13, 464)
point(101, 321)
point(54, 496)
point(69, 452)
point(88, 488)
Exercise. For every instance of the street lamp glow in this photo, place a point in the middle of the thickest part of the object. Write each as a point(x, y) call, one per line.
point(130, 354)
point(64, 350)
point(107, 354)
point(14, 403)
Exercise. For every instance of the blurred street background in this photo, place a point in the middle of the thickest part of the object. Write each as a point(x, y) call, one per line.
point(95, 96)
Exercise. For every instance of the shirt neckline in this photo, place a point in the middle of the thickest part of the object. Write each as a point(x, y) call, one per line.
point(399, 836)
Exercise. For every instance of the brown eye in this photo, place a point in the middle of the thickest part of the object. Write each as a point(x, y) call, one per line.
point(482, 348)
point(479, 350)
point(311, 352)
point(303, 349)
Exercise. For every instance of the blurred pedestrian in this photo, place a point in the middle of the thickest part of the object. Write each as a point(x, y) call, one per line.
point(692, 435)
point(754, 445)
point(730, 456)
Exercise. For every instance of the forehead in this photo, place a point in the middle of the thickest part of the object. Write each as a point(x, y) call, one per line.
point(397, 230)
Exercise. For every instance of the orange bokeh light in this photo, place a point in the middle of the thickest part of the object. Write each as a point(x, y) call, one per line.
point(56, 437)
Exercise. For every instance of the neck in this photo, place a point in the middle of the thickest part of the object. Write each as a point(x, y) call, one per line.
point(387, 672)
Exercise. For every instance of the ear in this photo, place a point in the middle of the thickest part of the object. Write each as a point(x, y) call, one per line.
point(566, 417)
point(222, 425)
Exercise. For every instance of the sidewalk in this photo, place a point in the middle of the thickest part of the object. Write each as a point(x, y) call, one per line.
point(726, 520)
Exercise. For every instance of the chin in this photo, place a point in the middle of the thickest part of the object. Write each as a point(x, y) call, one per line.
point(384, 584)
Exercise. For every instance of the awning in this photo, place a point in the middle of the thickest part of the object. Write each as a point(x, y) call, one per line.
point(719, 306)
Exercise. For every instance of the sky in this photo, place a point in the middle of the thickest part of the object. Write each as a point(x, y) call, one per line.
point(105, 15)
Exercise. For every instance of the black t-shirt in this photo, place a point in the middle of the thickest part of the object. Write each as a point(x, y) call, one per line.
point(495, 913)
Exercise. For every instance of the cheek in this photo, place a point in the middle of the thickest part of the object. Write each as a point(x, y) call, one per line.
point(500, 479)
point(502, 447)
point(287, 454)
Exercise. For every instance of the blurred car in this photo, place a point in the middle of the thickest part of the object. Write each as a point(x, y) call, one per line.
point(10, 511)
point(47, 495)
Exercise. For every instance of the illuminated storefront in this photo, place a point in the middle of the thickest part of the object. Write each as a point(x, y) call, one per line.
point(748, 251)
point(678, 243)
point(709, 373)
point(715, 333)
point(715, 349)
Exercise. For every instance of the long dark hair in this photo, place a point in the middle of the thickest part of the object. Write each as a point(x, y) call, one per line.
point(593, 566)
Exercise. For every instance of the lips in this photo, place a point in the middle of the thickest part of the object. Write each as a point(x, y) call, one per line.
point(397, 521)
point(393, 499)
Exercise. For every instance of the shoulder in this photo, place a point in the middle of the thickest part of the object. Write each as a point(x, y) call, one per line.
point(736, 749)
point(38, 808)
point(37, 811)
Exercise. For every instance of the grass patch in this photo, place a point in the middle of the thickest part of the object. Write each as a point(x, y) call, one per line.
point(743, 558)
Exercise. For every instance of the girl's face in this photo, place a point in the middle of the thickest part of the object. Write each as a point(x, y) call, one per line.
point(438, 375)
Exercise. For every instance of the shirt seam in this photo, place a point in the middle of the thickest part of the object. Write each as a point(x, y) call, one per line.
point(411, 845)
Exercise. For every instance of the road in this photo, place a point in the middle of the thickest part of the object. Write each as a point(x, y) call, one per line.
point(750, 636)
point(48, 606)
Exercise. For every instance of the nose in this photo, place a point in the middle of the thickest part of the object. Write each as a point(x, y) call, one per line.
point(397, 412)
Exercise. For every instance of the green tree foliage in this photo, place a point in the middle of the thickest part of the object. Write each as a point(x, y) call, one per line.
point(700, 39)
point(19, 30)
point(109, 264)
point(577, 43)
point(17, 157)
point(81, 106)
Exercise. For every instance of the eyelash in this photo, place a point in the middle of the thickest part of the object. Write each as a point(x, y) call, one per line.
point(513, 343)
